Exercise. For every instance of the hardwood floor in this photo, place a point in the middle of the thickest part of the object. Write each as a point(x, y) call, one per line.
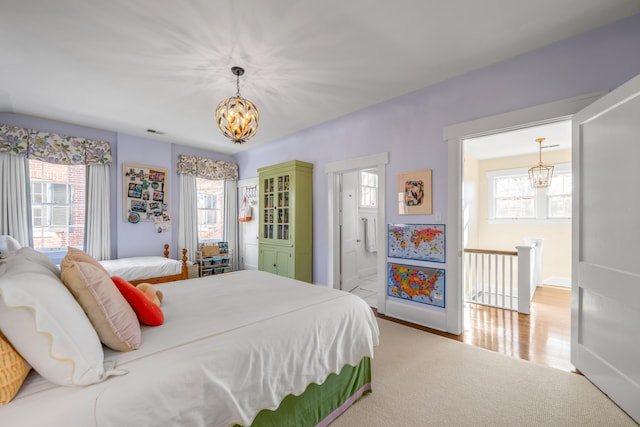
point(542, 337)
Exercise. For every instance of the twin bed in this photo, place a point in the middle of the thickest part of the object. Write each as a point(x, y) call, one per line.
point(149, 269)
point(243, 348)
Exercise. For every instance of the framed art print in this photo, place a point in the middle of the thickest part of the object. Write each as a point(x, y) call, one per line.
point(425, 285)
point(423, 242)
point(414, 193)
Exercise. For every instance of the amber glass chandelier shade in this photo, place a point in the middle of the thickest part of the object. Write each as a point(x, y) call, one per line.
point(237, 117)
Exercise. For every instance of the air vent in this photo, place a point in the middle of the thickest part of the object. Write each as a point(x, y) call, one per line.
point(551, 146)
point(157, 132)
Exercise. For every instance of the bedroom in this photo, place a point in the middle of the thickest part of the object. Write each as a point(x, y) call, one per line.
point(572, 67)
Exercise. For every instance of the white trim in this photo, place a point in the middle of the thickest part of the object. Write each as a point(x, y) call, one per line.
point(358, 163)
point(533, 116)
point(454, 136)
point(334, 171)
point(563, 282)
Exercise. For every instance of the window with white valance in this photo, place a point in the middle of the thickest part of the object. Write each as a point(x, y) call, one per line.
point(45, 217)
point(53, 148)
point(194, 209)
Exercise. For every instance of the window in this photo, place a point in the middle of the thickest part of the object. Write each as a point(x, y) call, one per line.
point(210, 196)
point(511, 198)
point(368, 188)
point(559, 196)
point(57, 205)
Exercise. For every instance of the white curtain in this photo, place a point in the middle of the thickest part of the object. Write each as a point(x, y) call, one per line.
point(98, 225)
point(231, 219)
point(188, 215)
point(14, 198)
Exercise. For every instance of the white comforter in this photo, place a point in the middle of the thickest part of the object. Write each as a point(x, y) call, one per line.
point(231, 345)
point(142, 267)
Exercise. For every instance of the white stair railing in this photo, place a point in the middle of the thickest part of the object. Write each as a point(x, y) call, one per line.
point(501, 279)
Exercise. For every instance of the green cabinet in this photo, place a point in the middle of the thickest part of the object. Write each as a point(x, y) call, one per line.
point(285, 219)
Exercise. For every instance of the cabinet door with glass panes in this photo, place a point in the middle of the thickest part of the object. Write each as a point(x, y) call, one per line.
point(285, 219)
point(276, 207)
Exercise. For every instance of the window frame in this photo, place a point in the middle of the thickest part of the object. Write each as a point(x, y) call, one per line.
point(362, 186)
point(219, 207)
point(541, 197)
point(45, 189)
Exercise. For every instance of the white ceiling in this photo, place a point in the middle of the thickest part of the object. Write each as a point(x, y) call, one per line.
point(557, 136)
point(128, 66)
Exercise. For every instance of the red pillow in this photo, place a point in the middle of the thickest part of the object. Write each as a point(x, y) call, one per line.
point(148, 313)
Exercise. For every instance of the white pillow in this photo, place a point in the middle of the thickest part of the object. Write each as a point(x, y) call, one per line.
point(7, 245)
point(46, 325)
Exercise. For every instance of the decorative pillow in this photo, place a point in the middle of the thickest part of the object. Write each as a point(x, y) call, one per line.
point(112, 317)
point(148, 312)
point(46, 325)
point(37, 257)
point(74, 254)
point(13, 370)
point(8, 245)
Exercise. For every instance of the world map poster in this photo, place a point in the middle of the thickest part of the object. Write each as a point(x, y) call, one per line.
point(425, 285)
point(424, 242)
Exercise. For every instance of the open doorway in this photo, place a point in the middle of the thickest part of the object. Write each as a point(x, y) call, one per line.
point(455, 135)
point(507, 217)
point(503, 210)
point(335, 172)
point(358, 233)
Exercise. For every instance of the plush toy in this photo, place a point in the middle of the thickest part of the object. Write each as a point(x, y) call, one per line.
point(151, 293)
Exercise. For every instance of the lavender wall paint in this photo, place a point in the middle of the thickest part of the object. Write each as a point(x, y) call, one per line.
point(128, 239)
point(410, 127)
point(142, 239)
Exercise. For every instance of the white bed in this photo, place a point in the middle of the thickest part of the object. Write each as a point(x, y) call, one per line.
point(151, 269)
point(231, 345)
point(142, 267)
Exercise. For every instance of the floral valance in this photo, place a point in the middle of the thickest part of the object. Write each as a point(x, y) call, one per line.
point(53, 148)
point(206, 168)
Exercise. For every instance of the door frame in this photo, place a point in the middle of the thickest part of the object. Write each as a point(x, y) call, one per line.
point(454, 135)
point(334, 170)
point(242, 235)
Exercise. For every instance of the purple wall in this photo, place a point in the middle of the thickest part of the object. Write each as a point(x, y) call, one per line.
point(410, 127)
point(128, 239)
point(141, 238)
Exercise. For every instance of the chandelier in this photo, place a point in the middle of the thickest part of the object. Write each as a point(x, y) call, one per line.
point(540, 175)
point(236, 116)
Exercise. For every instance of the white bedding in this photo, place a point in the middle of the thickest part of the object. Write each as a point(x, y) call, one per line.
point(142, 267)
point(231, 345)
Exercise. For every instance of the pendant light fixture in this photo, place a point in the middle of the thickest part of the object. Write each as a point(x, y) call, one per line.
point(236, 116)
point(540, 175)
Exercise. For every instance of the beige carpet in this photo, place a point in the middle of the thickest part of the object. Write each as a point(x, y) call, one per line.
point(421, 379)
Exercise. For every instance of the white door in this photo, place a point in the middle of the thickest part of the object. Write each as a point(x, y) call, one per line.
point(605, 308)
point(248, 231)
point(349, 232)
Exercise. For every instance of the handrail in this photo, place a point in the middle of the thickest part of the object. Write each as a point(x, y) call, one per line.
point(491, 278)
point(491, 251)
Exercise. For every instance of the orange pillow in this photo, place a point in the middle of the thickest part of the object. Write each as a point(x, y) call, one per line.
point(13, 370)
point(147, 311)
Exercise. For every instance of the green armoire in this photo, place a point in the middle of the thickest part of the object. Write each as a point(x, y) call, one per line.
point(286, 211)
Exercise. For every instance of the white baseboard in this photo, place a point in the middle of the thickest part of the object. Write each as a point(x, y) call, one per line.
point(564, 282)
